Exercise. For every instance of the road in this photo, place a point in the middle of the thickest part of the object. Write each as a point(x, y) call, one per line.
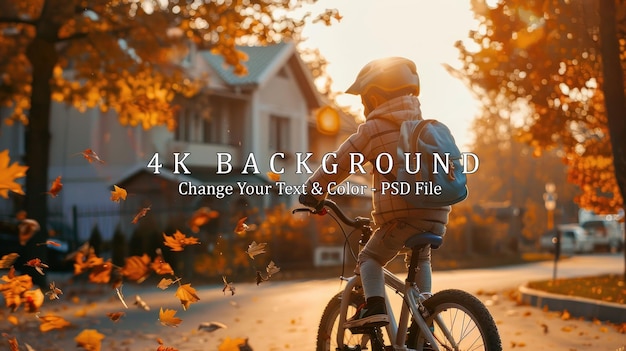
point(283, 315)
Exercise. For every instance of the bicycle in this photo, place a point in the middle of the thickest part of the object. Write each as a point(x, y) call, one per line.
point(447, 320)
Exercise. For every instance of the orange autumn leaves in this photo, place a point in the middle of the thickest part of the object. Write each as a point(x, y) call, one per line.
point(8, 174)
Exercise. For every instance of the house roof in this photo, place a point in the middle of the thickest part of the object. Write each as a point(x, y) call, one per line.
point(262, 64)
point(260, 60)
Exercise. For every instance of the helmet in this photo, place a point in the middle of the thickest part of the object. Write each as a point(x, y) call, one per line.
point(388, 75)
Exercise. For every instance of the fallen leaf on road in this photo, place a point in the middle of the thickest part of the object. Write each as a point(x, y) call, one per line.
point(565, 315)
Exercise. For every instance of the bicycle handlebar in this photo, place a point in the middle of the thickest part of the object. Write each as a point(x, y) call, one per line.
point(357, 222)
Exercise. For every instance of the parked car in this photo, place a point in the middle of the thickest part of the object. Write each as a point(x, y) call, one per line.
point(605, 234)
point(574, 239)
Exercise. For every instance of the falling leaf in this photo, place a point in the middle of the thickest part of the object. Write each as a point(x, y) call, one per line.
point(141, 303)
point(33, 299)
point(37, 264)
point(7, 260)
point(159, 266)
point(120, 296)
point(241, 228)
point(201, 217)
point(8, 174)
point(164, 348)
point(101, 274)
point(273, 176)
point(545, 328)
point(118, 194)
point(166, 282)
point(91, 156)
point(56, 187)
point(84, 262)
point(187, 295)
point(13, 320)
point(178, 241)
point(236, 344)
point(255, 249)
point(50, 322)
point(260, 278)
point(54, 291)
point(89, 339)
point(115, 316)
point(136, 268)
point(140, 214)
point(211, 326)
point(167, 318)
point(13, 344)
point(228, 286)
point(27, 228)
point(50, 243)
point(272, 269)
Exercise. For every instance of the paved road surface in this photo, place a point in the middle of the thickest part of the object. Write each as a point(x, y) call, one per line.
point(284, 315)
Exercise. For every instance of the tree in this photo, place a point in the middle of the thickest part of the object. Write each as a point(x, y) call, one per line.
point(121, 55)
point(545, 58)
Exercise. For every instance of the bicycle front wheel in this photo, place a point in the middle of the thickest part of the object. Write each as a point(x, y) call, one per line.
point(329, 324)
point(460, 322)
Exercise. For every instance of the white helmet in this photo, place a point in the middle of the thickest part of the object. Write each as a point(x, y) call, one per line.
point(387, 75)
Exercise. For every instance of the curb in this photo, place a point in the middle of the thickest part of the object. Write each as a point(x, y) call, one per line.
point(576, 306)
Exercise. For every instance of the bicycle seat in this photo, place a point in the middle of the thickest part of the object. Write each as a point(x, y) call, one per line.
point(422, 239)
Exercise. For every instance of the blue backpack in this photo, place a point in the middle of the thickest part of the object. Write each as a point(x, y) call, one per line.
point(428, 146)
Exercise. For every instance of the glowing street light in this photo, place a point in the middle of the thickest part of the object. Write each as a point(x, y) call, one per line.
point(549, 199)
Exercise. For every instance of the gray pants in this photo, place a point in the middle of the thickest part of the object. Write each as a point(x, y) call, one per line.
point(384, 245)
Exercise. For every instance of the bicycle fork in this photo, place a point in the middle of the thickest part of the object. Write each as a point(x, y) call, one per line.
point(397, 332)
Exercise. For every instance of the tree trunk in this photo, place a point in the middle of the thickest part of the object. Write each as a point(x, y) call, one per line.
point(41, 53)
point(613, 89)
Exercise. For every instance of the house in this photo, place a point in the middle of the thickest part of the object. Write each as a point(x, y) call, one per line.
point(268, 115)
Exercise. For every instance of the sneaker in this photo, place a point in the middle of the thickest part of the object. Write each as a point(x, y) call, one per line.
point(368, 317)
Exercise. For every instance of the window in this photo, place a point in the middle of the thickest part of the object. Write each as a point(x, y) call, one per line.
point(210, 122)
point(279, 134)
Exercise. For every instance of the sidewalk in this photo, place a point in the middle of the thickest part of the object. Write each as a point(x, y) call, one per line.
point(577, 307)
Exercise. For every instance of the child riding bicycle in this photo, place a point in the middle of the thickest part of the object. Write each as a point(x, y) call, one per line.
point(389, 90)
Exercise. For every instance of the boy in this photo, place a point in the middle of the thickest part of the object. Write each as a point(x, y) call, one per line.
point(389, 88)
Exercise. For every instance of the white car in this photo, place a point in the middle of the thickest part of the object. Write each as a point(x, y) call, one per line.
point(574, 239)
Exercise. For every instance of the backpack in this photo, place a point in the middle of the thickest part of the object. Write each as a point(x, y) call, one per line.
point(440, 180)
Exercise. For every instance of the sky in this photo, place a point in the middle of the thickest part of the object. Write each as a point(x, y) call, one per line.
point(421, 30)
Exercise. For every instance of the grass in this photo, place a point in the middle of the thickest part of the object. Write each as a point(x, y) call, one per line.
point(609, 288)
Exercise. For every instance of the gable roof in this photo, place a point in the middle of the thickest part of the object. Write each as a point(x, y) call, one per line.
point(260, 60)
point(264, 62)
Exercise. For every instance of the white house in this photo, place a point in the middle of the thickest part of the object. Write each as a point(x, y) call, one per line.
point(271, 110)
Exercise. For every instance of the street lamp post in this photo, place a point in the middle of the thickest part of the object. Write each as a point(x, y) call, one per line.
point(549, 198)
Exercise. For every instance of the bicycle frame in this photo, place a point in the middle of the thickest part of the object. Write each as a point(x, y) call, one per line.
point(396, 330)
point(412, 298)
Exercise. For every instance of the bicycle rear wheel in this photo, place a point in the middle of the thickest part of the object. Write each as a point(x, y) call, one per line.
point(329, 323)
point(460, 322)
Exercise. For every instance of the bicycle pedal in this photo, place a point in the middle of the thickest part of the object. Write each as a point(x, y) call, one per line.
point(368, 329)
